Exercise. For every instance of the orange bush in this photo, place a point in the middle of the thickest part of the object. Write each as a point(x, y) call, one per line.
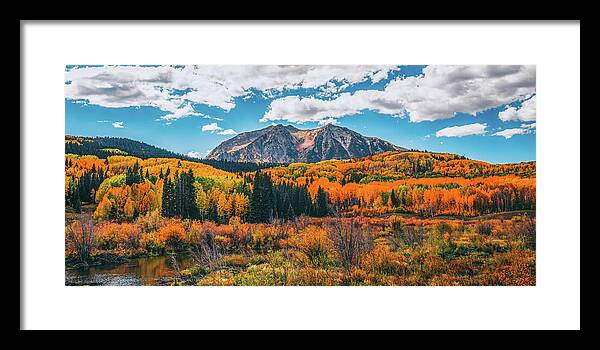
point(314, 242)
point(117, 236)
point(172, 235)
point(382, 260)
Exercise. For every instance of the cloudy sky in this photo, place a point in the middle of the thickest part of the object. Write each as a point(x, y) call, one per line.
point(482, 112)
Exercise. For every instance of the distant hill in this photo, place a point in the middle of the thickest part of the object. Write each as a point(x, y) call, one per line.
point(110, 146)
point(287, 144)
point(104, 147)
point(393, 166)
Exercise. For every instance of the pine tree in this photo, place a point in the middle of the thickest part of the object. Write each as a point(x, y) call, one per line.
point(194, 211)
point(76, 203)
point(167, 198)
point(321, 205)
point(394, 199)
point(290, 214)
point(187, 194)
point(179, 196)
point(128, 177)
point(261, 200)
point(135, 172)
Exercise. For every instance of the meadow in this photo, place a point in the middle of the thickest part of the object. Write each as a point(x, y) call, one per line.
point(395, 250)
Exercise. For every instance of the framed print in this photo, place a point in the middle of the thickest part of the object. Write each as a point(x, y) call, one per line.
point(301, 175)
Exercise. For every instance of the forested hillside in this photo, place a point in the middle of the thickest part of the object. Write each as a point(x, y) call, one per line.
point(398, 218)
point(426, 184)
point(104, 147)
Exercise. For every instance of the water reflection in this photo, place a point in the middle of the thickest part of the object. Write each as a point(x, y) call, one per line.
point(138, 271)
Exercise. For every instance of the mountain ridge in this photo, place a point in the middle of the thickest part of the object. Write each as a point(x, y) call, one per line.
point(287, 144)
point(106, 146)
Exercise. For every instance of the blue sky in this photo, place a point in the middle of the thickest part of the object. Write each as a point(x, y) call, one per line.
point(482, 112)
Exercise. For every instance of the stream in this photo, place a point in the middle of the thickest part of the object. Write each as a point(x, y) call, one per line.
point(137, 272)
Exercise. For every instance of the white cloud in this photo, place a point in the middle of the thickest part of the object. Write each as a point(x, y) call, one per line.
point(81, 102)
point(118, 125)
point(173, 89)
point(524, 113)
point(185, 111)
point(523, 130)
point(508, 133)
point(215, 128)
point(212, 127)
point(227, 132)
point(194, 154)
point(300, 110)
point(439, 93)
point(103, 121)
point(462, 130)
point(328, 121)
point(528, 126)
point(379, 76)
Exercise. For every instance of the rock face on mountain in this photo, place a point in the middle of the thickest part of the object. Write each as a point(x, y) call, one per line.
point(287, 144)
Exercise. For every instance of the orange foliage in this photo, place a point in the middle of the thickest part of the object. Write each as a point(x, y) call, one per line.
point(127, 202)
point(81, 164)
point(173, 234)
point(400, 165)
point(117, 236)
point(119, 165)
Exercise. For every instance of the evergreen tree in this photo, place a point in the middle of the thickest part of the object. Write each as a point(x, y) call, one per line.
point(128, 177)
point(304, 201)
point(394, 199)
point(179, 196)
point(76, 202)
point(289, 212)
point(261, 200)
point(321, 203)
point(167, 198)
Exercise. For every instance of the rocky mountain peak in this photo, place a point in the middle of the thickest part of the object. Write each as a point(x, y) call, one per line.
point(285, 144)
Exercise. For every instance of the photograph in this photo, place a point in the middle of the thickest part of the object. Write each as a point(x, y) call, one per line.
point(299, 175)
